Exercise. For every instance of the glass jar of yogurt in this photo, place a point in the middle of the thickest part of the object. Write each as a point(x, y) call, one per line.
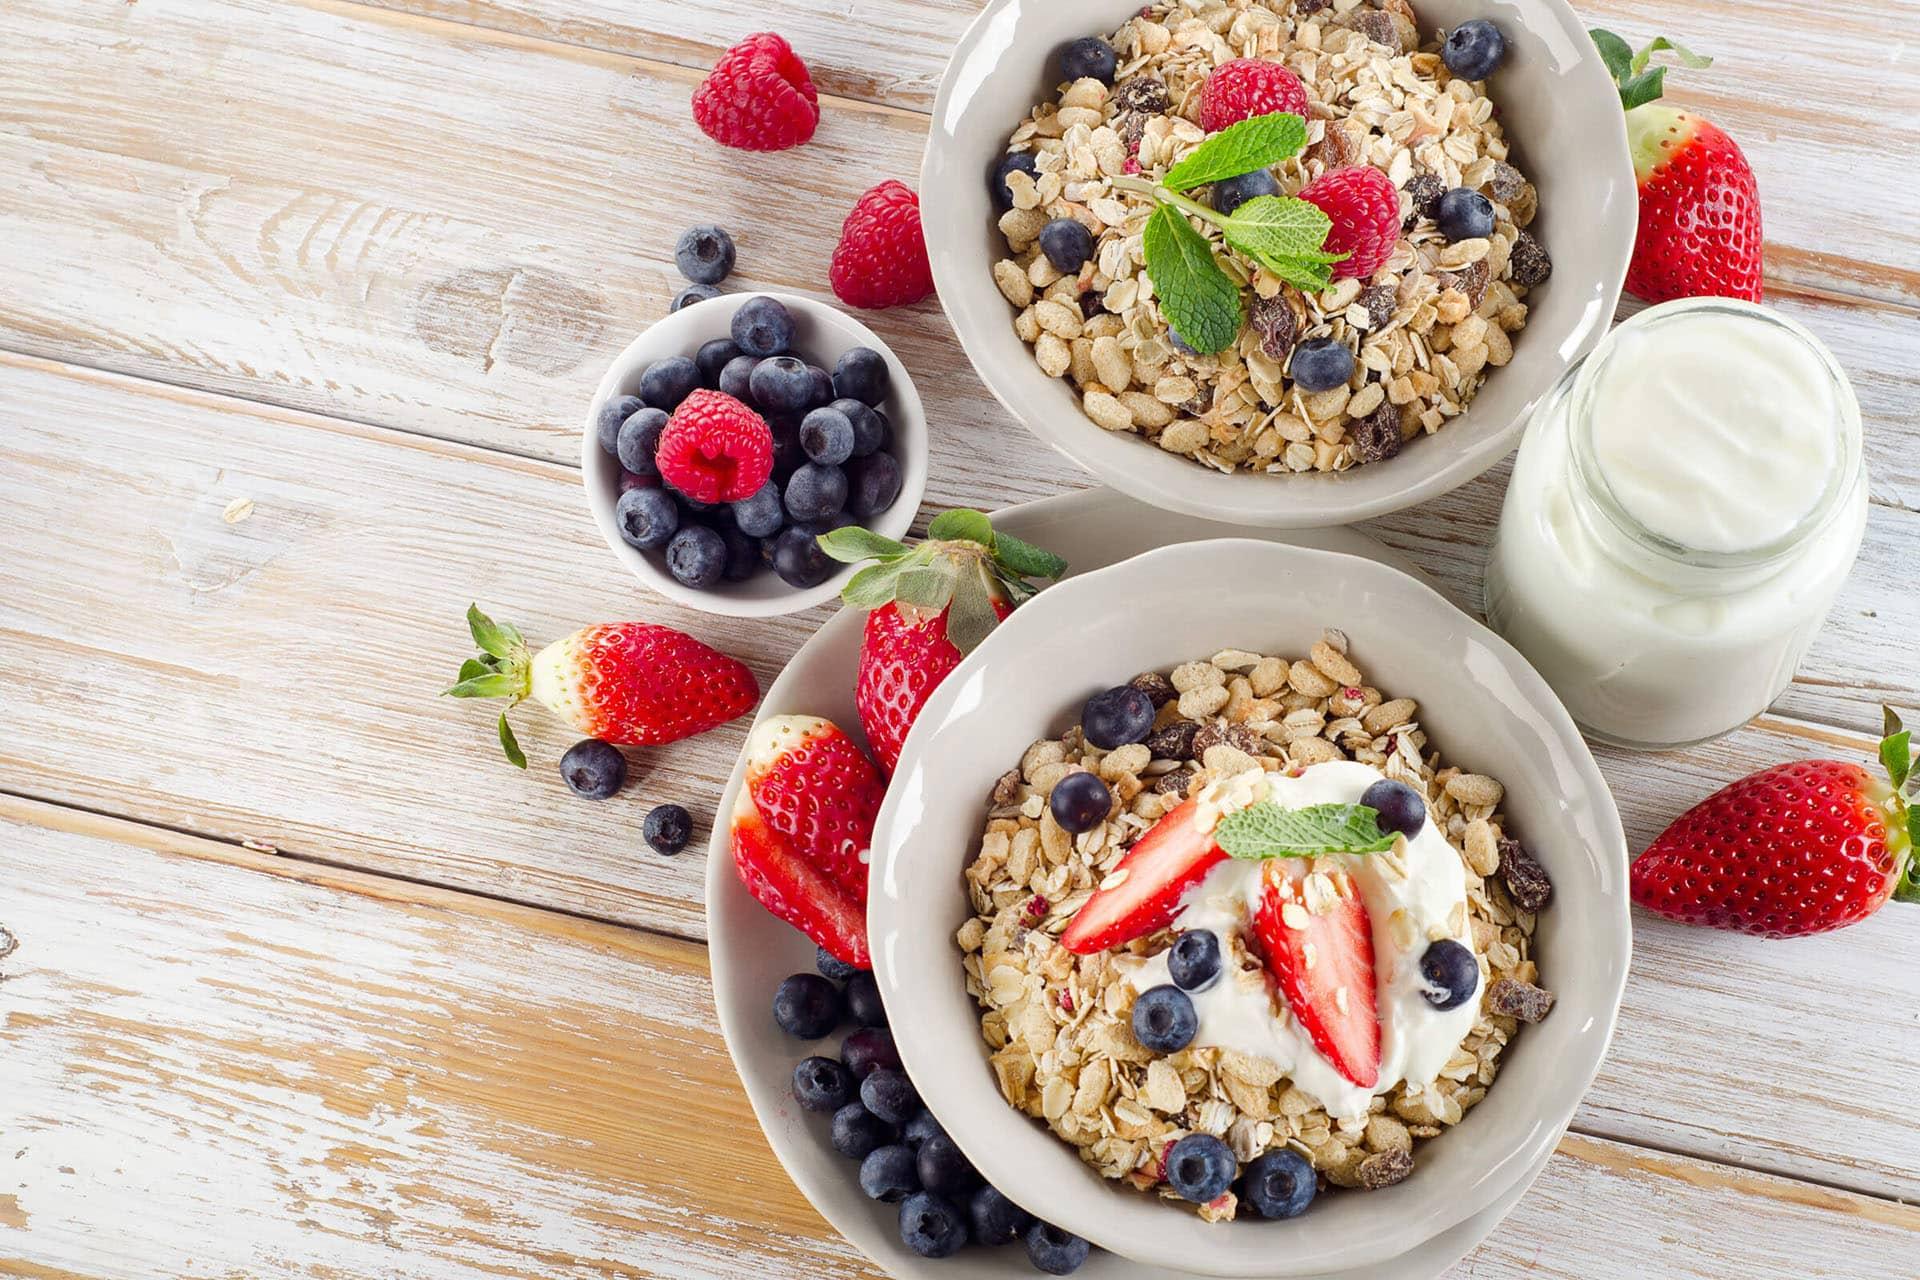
point(1686, 504)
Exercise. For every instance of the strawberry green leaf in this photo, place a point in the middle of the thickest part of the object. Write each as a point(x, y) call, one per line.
point(1638, 91)
point(1201, 301)
point(475, 667)
point(1025, 559)
point(872, 587)
point(1258, 142)
point(1660, 44)
point(494, 684)
point(497, 638)
point(1273, 831)
point(853, 544)
point(961, 525)
point(511, 744)
point(1616, 53)
point(1896, 750)
point(971, 619)
point(927, 586)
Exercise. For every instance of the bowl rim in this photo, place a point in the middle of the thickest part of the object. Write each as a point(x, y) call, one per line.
point(1291, 501)
point(599, 471)
point(1606, 984)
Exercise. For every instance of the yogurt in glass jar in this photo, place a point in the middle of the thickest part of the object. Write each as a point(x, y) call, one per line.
point(1684, 508)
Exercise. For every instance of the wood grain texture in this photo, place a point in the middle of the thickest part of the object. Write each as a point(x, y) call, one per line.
point(221, 1063)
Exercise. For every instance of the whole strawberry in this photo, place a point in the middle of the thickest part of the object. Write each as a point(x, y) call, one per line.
point(1365, 210)
point(1699, 233)
point(930, 605)
point(881, 260)
point(758, 97)
point(1796, 849)
point(627, 683)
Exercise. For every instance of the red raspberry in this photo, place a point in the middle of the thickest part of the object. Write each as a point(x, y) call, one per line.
point(715, 449)
point(881, 260)
point(1247, 87)
point(758, 97)
point(1366, 217)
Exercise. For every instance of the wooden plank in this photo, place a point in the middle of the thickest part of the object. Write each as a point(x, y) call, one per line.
point(223, 1063)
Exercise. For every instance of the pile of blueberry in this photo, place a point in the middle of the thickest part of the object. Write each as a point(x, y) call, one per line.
point(596, 770)
point(905, 1157)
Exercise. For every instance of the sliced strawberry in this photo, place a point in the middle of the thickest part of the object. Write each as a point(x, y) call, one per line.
point(817, 790)
point(788, 886)
point(1143, 893)
point(1323, 965)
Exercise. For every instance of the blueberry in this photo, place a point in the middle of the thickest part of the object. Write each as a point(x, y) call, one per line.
point(667, 382)
point(888, 1175)
point(646, 518)
point(1180, 344)
point(1230, 193)
point(869, 428)
point(857, 1132)
point(873, 484)
point(1401, 808)
point(743, 552)
point(593, 769)
point(691, 294)
point(736, 377)
point(712, 357)
point(1194, 960)
point(821, 1084)
point(1321, 364)
point(667, 828)
point(823, 392)
point(1200, 1167)
point(781, 384)
point(885, 441)
point(697, 556)
point(1449, 974)
point(1464, 214)
point(704, 254)
point(832, 967)
point(1055, 1251)
point(931, 1226)
point(890, 1096)
point(639, 438)
point(1012, 162)
point(606, 427)
point(816, 528)
point(861, 374)
point(922, 1127)
point(760, 513)
point(996, 1220)
point(798, 559)
point(863, 1001)
point(1080, 802)
point(630, 481)
point(1164, 1020)
point(827, 436)
point(944, 1169)
point(867, 1050)
point(1279, 1184)
point(1474, 50)
point(815, 492)
point(763, 327)
point(806, 1006)
point(1088, 56)
point(1067, 243)
point(1115, 717)
point(788, 456)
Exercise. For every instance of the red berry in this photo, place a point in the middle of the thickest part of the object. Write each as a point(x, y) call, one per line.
point(881, 260)
point(715, 449)
point(1366, 217)
point(1699, 232)
point(815, 788)
point(758, 97)
point(1247, 87)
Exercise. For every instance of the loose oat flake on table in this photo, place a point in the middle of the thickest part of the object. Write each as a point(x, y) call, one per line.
point(1090, 205)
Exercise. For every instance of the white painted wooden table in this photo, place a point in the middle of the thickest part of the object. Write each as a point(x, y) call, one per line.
point(297, 980)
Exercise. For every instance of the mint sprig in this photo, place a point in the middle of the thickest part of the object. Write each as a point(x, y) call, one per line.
point(1269, 830)
point(1201, 301)
point(1258, 142)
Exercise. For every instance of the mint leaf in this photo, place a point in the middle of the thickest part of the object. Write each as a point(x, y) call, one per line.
point(1272, 831)
point(1286, 236)
point(1026, 559)
point(961, 525)
point(1201, 301)
point(1258, 142)
point(1616, 53)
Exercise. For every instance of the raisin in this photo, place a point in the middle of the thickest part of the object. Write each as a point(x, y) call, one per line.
point(1515, 999)
point(1383, 1169)
point(1173, 784)
point(1471, 280)
point(1379, 302)
point(1527, 881)
point(1376, 437)
point(1143, 94)
point(1425, 190)
point(1506, 182)
point(1007, 789)
point(1273, 319)
point(1158, 688)
point(1528, 263)
point(1175, 742)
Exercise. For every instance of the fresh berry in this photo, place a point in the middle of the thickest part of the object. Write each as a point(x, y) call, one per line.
point(821, 1084)
point(996, 1220)
point(781, 384)
point(606, 427)
point(1229, 194)
point(736, 376)
point(629, 481)
point(1449, 975)
point(758, 97)
point(920, 1128)
point(1200, 1168)
point(863, 1000)
point(593, 769)
point(1174, 855)
point(858, 1133)
point(647, 518)
point(1055, 1251)
point(628, 683)
point(667, 828)
point(815, 492)
point(743, 552)
point(1247, 87)
point(1278, 1184)
point(888, 1174)
point(714, 448)
point(691, 294)
point(667, 382)
point(931, 1225)
point(1399, 807)
point(1067, 243)
point(873, 485)
point(869, 1050)
point(861, 374)
point(760, 514)
point(832, 967)
point(697, 556)
point(1116, 717)
point(1012, 162)
point(763, 327)
point(1164, 1020)
point(943, 1169)
point(827, 436)
point(819, 794)
point(806, 1006)
point(881, 260)
point(788, 456)
point(869, 425)
point(1474, 50)
point(798, 559)
point(1322, 964)
point(713, 356)
point(639, 440)
point(890, 1095)
point(1088, 58)
point(1080, 802)
point(1193, 962)
point(1321, 364)
point(1365, 210)
point(704, 254)
point(1464, 214)
point(822, 387)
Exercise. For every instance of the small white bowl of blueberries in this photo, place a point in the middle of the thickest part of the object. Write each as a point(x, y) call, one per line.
point(734, 431)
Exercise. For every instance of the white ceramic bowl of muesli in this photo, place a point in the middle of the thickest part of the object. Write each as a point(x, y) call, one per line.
point(1447, 360)
point(948, 912)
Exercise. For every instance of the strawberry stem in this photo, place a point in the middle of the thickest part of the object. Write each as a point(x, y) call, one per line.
point(503, 669)
point(1903, 833)
point(1639, 81)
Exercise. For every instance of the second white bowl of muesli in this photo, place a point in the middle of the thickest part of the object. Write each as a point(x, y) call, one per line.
point(1249, 910)
point(1241, 258)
